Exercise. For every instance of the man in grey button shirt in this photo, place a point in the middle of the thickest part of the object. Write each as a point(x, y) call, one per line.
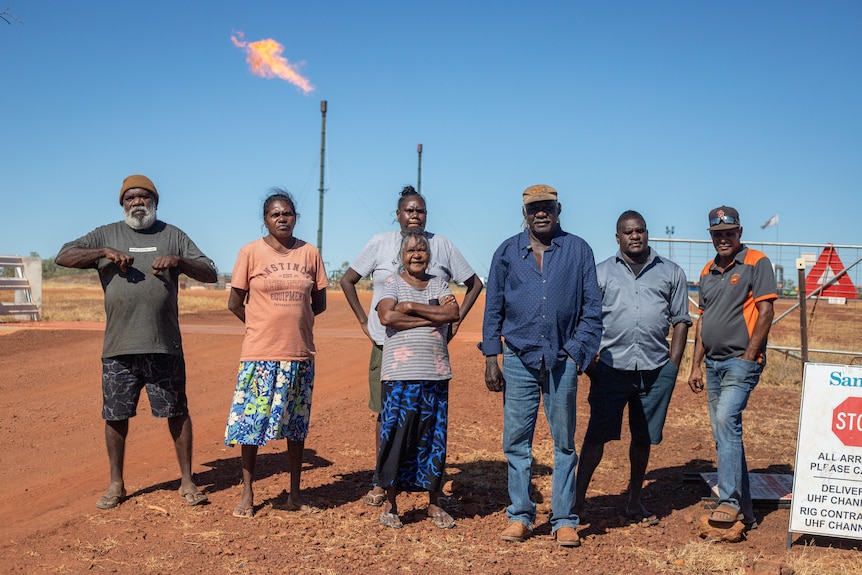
point(643, 294)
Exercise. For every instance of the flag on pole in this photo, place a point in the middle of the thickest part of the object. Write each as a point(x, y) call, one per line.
point(773, 221)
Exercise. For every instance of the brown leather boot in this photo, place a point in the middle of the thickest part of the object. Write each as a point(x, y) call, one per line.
point(516, 532)
point(567, 537)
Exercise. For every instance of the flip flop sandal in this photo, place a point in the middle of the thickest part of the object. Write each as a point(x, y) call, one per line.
point(374, 499)
point(442, 520)
point(195, 498)
point(243, 512)
point(304, 508)
point(391, 520)
point(642, 520)
point(109, 501)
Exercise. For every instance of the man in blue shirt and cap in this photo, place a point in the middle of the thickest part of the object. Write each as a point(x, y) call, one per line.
point(543, 300)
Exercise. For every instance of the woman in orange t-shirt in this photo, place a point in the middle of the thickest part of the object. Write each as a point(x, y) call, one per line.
point(277, 287)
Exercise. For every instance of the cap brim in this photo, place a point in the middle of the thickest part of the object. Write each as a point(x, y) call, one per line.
point(718, 227)
point(540, 198)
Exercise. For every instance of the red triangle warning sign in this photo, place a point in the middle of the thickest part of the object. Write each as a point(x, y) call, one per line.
point(828, 266)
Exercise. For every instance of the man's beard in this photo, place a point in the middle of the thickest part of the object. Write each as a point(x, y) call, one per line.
point(140, 217)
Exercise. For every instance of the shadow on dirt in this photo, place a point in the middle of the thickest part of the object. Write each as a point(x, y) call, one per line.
point(227, 473)
point(668, 489)
point(473, 489)
point(828, 542)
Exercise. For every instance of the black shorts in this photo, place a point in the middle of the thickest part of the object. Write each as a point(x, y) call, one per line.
point(647, 394)
point(124, 376)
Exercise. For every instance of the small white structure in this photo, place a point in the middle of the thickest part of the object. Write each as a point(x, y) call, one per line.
point(26, 281)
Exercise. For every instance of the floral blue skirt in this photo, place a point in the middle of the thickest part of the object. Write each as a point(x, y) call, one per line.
point(413, 427)
point(272, 401)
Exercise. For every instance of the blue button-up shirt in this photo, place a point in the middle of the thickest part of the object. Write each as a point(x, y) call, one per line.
point(638, 310)
point(547, 314)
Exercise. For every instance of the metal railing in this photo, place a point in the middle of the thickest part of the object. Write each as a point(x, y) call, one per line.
point(819, 325)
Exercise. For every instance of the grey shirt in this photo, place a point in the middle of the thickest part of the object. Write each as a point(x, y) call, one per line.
point(380, 258)
point(141, 308)
point(729, 298)
point(637, 311)
point(418, 353)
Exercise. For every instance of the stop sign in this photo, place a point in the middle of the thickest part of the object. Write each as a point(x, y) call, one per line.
point(847, 421)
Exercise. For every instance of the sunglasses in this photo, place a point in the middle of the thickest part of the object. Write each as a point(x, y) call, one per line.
point(549, 207)
point(724, 220)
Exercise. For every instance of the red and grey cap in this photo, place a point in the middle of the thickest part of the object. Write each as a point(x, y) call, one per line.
point(723, 218)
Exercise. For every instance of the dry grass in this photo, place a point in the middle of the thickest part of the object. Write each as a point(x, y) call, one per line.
point(83, 300)
point(194, 301)
point(86, 303)
point(803, 564)
point(81, 304)
point(694, 557)
point(697, 557)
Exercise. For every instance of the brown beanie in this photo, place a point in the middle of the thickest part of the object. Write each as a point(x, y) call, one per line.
point(138, 181)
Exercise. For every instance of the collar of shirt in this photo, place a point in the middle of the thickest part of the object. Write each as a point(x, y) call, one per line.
point(525, 246)
point(738, 259)
point(652, 257)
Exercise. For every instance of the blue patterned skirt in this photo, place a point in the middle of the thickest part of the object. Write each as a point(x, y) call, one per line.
point(272, 401)
point(413, 427)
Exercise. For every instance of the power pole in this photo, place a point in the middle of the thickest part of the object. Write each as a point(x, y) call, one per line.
point(322, 156)
point(419, 177)
point(669, 231)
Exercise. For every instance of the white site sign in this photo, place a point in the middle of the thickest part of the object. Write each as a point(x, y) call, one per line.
point(827, 483)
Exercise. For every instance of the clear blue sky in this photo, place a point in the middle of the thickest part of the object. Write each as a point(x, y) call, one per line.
point(667, 107)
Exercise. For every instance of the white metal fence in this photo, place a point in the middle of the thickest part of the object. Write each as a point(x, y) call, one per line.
point(23, 277)
point(833, 326)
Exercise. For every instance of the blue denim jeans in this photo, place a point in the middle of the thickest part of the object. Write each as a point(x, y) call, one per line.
point(557, 388)
point(729, 383)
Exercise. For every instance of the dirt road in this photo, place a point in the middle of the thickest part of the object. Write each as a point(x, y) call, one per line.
point(54, 467)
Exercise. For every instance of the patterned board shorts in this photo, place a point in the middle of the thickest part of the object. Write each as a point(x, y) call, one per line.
point(124, 376)
point(272, 401)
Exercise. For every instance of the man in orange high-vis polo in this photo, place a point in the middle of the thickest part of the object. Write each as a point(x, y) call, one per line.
point(737, 290)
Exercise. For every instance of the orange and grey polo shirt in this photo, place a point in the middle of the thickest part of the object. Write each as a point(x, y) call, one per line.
point(728, 302)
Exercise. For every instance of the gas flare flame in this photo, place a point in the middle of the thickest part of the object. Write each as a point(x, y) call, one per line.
point(265, 59)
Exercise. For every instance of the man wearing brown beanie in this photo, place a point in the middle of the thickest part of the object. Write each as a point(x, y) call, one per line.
point(139, 261)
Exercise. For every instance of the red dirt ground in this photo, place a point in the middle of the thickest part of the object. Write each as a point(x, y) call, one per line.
point(54, 468)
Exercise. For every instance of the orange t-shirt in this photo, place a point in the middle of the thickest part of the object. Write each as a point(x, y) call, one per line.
point(278, 316)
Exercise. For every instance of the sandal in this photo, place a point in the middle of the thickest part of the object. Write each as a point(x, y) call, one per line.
point(442, 520)
point(243, 512)
point(110, 501)
point(725, 514)
point(390, 520)
point(649, 520)
point(194, 498)
point(304, 507)
point(374, 499)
